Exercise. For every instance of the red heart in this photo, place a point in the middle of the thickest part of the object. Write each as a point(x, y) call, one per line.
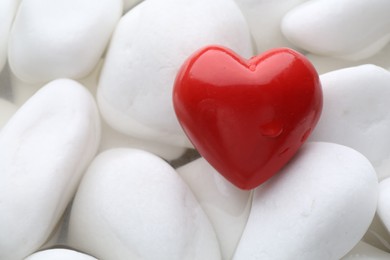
point(247, 118)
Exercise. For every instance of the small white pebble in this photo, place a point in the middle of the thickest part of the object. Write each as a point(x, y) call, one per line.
point(148, 47)
point(352, 29)
point(44, 149)
point(60, 38)
point(318, 207)
point(133, 205)
point(356, 112)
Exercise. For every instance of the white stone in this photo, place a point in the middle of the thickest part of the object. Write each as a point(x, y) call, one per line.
point(59, 254)
point(149, 45)
point(352, 29)
point(318, 207)
point(355, 112)
point(44, 149)
point(8, 10)
point(60, 38)
point(133, 205)
point(264, 18)
point(226, 206)
point(364, 251)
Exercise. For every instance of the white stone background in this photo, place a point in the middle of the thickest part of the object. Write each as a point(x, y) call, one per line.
point(340, 37)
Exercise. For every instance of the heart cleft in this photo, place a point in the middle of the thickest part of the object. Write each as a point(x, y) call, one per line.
point(247, 118)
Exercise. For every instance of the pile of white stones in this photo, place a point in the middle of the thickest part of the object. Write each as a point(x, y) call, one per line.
point(87, 124)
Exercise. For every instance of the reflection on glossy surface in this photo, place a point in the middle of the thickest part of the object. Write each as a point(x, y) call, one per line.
point(240, 113)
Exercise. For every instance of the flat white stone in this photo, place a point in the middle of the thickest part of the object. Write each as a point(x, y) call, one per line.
point(44, 149)
point(264, 18)
point(364, 251)
point(133, 205)
point(59, 254)
point(318, 207)
point(356, 112)
point(226, 206)
point(148, 47)
point(352, 29)
point(8, 10)
point(60, 38)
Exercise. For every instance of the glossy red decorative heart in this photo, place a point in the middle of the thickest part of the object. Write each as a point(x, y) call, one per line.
point(247, 118)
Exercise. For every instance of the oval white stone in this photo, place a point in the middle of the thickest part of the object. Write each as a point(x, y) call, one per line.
point(353, 29)
point(133, 205)
point(60, 38)
point(318, 207)
point(149, 45)
point(226, 206)
point(44, 149)
point(356, 113)
point(59, 254)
